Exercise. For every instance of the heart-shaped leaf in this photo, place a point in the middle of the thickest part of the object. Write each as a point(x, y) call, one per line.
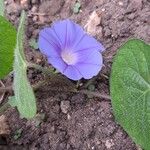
point(7, 46)
point(130, 90)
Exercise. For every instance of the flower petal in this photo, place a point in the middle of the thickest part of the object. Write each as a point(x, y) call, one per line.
point(58, 63)
point(48, 43)
point(68, 32)
point(87, 42)
point(88, 56)
point(72, 73)
point(91, 66)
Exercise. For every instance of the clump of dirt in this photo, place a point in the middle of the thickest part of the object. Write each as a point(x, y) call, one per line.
point(75, 121)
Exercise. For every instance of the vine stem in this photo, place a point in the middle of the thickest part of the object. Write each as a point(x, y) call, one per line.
point(86, 92)
point(47, 71)
point(95, 94)
point(50, 72)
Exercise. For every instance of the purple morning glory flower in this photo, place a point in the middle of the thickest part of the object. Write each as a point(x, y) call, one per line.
point(70, 50)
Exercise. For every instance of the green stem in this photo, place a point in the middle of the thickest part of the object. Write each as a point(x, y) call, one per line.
point(47, 71)
point(95, 94)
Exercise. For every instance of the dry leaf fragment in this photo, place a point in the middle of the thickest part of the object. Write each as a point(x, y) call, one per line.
point(4, 128)
point(93, 22)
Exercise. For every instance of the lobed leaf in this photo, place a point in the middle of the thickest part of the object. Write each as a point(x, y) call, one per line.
point(130, 90)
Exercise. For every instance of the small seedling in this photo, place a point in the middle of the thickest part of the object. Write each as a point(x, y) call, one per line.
point(18, 134)
point(77, 7)
point(91, 87)
point(39, 119)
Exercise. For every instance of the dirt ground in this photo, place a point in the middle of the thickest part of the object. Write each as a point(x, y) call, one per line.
point(75, 121)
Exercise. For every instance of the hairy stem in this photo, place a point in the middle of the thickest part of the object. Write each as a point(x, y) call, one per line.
point(46, 71)
point(86, 92)
point(95, 94)
point(50, 73)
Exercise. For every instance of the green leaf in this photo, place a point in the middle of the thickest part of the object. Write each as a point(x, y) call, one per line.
point(76, 7)
point(130, 90)
point(20, 37)
point(2, 8)
point(7, 46)
point(24, 96)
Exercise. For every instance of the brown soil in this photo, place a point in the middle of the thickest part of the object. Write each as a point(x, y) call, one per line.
point(76, 121)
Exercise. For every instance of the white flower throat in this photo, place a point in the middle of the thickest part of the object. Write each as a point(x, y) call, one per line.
point(69, 57)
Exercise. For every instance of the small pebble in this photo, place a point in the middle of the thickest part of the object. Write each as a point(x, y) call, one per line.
point(131, 16)
point(103, 9)
point(65, 106)
point(109, 143)
point(68, 117)
point(107, 32)
point(35, 18)
point(34, 9)
point(120, 3)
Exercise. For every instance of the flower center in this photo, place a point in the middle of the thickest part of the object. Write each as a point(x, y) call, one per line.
point(69, 57)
